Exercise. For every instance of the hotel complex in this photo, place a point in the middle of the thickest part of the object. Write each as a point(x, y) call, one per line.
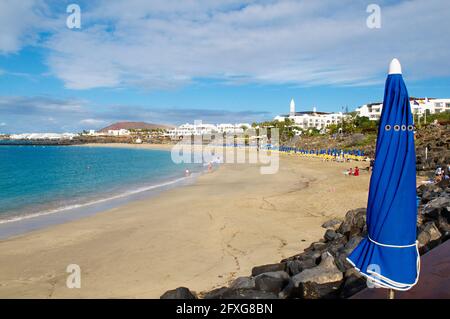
point(311, 119)
point(419, 106)
point(118, 132)
point(199, 128)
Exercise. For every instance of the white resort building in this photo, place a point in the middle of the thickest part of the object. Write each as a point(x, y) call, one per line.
point(205, 129)
point(118, 132)
point(43, 136)
point(311, 119)
point(419, 106)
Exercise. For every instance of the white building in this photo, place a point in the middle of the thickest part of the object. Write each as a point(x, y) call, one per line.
point(371, 110)
point(232, 128)
point(120, 132)
point(43, 136)
point(418, 106)
point(207, 129)
point(314, 119)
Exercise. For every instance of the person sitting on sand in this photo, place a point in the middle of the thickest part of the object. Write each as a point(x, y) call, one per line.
point(356, 173)
point(350, 171)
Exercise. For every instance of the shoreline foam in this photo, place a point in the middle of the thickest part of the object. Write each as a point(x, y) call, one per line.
point(16, 218)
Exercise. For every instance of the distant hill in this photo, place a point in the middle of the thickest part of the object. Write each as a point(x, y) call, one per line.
point(135, 126)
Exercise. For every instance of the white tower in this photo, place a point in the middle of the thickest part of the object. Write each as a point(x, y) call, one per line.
point(292, 108)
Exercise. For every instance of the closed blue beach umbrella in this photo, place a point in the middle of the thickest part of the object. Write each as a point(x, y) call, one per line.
point(389, 255)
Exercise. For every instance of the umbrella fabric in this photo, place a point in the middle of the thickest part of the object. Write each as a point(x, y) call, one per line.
point(389, 254)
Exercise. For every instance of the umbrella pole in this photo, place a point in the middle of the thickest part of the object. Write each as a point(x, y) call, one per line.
point(391, 294)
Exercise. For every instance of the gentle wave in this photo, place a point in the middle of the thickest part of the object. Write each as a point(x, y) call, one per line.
point(98, 201)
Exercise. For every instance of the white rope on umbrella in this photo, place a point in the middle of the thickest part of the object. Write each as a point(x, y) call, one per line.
point(384, 282)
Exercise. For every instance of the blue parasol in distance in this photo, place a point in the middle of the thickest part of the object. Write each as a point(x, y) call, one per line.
point(389, 255)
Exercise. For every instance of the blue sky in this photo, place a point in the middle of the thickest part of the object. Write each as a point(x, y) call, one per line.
point(217, 61)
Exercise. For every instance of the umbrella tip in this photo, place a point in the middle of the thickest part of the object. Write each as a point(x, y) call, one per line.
point(395, 67)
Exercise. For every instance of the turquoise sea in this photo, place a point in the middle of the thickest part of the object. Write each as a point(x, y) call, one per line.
point(42, 180)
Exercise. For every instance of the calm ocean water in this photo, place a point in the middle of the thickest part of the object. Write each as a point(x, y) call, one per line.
point(37, 180)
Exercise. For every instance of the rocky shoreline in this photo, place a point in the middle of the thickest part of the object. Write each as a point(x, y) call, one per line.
point(321, 270)
point(432, 148)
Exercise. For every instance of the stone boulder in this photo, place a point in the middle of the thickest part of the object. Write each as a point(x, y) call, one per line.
point(430, 192)
point(308, 255)
point(268, 268)
point(179, 293)
point(445, 183)
point(342, 254)
point(240, 293)
point(312, 290)
point(325, 272)
point(243, 283)
point(336, 245)
point(316, 246)
point(352, 284)
point(351, 244)
point(437, 206)
point(272, 281)
point(354, 223)
point(332, 224)
point(321, 281)
point(428, 237)
point(331, 235)
point(296, 266)
point(444, 227)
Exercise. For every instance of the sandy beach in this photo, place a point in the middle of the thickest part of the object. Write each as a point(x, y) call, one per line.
point(201, 236)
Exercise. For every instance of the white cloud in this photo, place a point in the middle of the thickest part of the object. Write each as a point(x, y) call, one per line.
point(19, 23)
point(3, 124)
point(92, 122)
point(160, 43)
